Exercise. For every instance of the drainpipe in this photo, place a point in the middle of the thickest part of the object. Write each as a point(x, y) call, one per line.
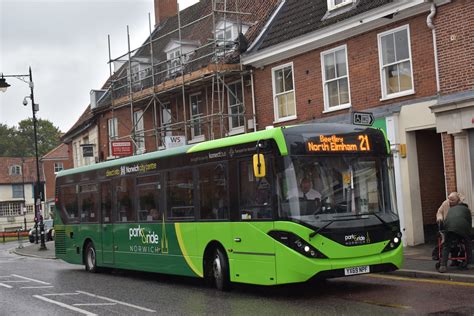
point(430, 24)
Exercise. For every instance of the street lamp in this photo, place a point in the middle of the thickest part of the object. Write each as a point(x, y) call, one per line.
point(3, 87)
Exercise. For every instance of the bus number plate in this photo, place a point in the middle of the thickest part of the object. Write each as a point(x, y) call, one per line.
point(356, 270)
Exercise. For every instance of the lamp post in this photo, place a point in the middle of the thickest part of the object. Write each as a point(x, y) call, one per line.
point(3, 87)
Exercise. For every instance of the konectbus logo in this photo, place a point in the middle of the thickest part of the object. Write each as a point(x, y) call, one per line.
point(147, 237)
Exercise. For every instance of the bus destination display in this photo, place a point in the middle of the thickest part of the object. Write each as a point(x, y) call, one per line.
point(334, 143)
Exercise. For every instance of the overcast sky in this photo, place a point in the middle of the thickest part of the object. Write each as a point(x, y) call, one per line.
point(65, 43)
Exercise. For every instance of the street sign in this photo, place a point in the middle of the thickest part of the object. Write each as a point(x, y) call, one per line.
point(122, 148)
point(362, 118)
point(174, 141)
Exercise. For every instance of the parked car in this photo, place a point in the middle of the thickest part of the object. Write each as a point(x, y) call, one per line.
point(48, 231)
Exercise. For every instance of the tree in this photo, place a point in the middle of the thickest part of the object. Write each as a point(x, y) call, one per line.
point(20, 140)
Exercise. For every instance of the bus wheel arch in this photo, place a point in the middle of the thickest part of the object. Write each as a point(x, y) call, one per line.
point(89, 257)
point(216, 266)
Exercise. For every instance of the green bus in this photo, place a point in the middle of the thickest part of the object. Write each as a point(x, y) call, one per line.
point(233, 210)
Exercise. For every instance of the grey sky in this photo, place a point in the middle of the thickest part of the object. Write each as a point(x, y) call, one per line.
point(65, 43)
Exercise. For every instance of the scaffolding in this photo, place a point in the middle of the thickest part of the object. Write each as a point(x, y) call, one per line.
point(186, 53)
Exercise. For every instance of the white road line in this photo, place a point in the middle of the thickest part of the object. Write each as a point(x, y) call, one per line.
point(118, 302)
point(37, 287)
point(60, 294)
point(65, 305)
point(5, 285)
point(94, 304)
point(16, 281)
point(22, 277)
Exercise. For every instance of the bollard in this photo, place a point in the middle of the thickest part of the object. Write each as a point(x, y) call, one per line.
point(20, 241)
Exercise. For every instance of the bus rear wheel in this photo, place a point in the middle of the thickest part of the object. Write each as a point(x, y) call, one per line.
point(91, 258)
point(220, 270)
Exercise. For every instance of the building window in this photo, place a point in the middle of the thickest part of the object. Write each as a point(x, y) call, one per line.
point(395, 62)
point(113, 132)
point(139, 128)
point(195, 103)
point(17, 191)
point(283, 93)
point(335, 79)
point(58, 166)
point(335, 4)
point(15, 170)
point(236, 106)
point(174, 62)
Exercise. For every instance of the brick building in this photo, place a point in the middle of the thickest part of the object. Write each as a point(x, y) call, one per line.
point(318, 61)
point(185, 81)
point(54, 161)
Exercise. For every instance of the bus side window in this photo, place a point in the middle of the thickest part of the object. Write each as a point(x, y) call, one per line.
point(180, 194)
point(88, 196)
point(213, 191)
point(106, 202)
point(148, 189)
point(125, 210)
point(69, 203)
point(255, 193)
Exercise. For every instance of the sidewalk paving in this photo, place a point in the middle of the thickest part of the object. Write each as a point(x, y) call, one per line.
point(417, 262)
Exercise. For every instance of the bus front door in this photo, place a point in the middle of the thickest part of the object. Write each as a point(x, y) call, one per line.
point(253, 253)
point(107, 231)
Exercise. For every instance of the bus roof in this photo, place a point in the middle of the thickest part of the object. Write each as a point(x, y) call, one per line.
point(281, 135)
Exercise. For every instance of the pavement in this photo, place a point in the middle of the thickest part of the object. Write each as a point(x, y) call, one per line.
point(417, 262)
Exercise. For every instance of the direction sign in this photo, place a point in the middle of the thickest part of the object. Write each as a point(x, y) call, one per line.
point(362, 118)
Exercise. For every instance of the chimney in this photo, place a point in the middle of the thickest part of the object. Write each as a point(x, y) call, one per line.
point(164, 9)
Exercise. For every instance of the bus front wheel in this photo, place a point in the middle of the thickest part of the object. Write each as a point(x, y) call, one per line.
point(220, 270)
point(90, 258)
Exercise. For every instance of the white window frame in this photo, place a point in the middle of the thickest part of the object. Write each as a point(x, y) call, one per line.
point(200, 137)
point(277, 117)
point(328, 108)
point(139, 131)
point(21, 192)
point(58, 166)
point(332, 4)
point(174, 61)
point(112, 130)
point(385, 94)
point(15, 170)
point(238, 129)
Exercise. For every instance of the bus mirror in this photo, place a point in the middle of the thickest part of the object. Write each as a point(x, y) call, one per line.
point(259, 166)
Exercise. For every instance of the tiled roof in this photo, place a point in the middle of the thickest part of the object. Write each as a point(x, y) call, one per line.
point(60, 152)
point(86, 117)
point(299, 17)
point(29, 170)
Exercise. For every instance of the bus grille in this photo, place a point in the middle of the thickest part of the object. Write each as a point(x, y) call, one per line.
point(60, 242)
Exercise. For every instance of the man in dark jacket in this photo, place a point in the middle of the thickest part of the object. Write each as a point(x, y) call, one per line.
point(457, 226)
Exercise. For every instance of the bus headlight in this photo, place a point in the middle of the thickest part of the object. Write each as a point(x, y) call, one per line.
point(296, 243)
point(394, 242)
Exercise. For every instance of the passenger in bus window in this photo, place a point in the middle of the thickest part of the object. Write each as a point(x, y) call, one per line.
point(155, 214)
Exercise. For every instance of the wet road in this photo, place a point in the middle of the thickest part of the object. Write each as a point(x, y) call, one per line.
point(51, 287)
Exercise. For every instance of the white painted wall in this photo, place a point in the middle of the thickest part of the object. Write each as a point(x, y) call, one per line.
point(412, 117)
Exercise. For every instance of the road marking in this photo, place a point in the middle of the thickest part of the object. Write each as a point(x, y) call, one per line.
point(94, 304)
point(60, 294)
point(5, 285)
point(118, 302)
point(421, 280)
point(64, 305)
point(37, 287)
point(22, 277)
point(16, 281)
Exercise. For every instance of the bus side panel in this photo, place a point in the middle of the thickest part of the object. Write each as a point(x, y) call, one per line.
point(67, 243)
point(152, 247)
point(253, 253)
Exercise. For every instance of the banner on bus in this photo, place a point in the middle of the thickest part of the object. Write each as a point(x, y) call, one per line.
point(122, 148)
